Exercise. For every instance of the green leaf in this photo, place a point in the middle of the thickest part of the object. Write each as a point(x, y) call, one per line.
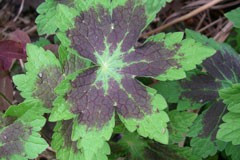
point(153, 126)
point(204, 131)
point(203, 147)
point(230, 130)
point(54, 16)
point(87, 137)
point(234, 16)
point(170, 152)
point(130, 145)
point(133, 147)
point(21, 138)
point(197, 127)
point(42, 76)
point(62, 143)
point(179, 125)
point(170, 90)
point(230, 97)
point(233, 151)
point(185, 52)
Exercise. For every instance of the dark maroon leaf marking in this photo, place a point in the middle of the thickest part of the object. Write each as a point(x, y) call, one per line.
point(201, 88)
point(157, 59)
point(11, 139)
point(212, 119)
point(66, 131)
point(92, 106)
point(47, 81)
point(97, 31)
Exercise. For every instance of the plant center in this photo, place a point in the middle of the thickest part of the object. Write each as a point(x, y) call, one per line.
point(110, 63)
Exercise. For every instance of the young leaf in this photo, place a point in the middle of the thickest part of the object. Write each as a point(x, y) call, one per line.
point(53, 16)
point(21, 139)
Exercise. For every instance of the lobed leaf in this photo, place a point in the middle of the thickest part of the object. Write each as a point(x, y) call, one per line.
point(230, 129)
point(20, 139)
point(44, 73)
point(179, 125)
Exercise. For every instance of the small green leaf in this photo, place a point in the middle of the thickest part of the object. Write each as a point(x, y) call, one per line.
point(233, 151)
point(234, 16)
point(54, 16)
point(170, 90)
point(203, 147)
point(179, 125)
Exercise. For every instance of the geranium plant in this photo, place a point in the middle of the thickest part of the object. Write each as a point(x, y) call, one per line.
point(91, 86)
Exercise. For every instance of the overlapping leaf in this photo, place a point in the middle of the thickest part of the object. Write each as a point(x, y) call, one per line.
point(134, 147)
point(222, 72)
point(20, 139)
point(44, 73)
point(180, 122)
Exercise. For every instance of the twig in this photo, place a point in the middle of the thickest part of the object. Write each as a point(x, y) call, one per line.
point(22, 64)
point(183, 18)
point(201, 21)
point(210, 25)
point(19, 11)
point(226, 5)
point(222, 36)
point(31, 30)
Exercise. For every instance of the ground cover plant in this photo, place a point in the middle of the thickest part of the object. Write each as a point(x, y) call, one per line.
point(108, 94)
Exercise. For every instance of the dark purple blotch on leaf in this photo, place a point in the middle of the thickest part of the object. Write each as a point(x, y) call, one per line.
point(11, 138)
point(97, 32)
point(212, 119)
